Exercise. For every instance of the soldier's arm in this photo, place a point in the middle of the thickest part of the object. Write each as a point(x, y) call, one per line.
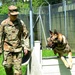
point(4, 22)
point(25, 37)
point(1, 33)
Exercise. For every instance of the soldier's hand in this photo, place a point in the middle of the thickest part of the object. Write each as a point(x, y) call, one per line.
point(25, 52)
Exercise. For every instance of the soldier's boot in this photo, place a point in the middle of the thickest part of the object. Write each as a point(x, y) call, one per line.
point(17, 74)
point(9, 71)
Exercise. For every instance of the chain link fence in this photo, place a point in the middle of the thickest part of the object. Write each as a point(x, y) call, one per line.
point(62, 18)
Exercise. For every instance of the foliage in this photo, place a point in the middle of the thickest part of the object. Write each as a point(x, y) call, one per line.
point(25, 5)
point(20, 5)
point(37, 3)
point(54, 1)
point(4, 9)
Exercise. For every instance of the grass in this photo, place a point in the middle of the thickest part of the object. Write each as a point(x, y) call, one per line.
point(24, 70)
point(48, 53)
point(1, 67)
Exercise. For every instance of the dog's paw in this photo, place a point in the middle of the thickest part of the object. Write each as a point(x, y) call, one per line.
point(71, 65)
point(68, 67)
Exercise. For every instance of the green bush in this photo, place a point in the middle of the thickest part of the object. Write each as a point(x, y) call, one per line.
point(21, 6)
point(4, 9)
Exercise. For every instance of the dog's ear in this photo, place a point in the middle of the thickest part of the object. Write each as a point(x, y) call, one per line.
point(50, 32)
point(55, 31)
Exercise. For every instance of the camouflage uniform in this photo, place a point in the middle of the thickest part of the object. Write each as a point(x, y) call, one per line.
point(11, 41)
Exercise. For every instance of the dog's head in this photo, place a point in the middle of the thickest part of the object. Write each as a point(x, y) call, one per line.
point(53, 39)
point(53, 35)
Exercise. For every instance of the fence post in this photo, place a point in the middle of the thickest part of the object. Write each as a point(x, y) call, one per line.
point(64, 5)
point(31, 37)
point(49, 16)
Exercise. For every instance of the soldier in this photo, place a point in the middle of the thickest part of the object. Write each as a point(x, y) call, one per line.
point(12, 30)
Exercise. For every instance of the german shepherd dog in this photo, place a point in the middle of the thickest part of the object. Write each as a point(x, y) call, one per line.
point(59, 44)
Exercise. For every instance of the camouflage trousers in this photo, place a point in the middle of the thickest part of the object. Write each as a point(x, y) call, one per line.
point(13, 59)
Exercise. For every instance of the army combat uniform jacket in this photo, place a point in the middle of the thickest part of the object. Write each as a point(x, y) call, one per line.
point(12, 35)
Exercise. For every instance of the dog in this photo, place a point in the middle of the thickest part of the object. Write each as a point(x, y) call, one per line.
point(59, 44)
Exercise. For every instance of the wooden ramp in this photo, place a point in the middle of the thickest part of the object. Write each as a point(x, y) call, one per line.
point(54, 66)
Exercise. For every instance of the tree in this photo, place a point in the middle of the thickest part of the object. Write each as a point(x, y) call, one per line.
point(24, 5)
point(54, 1)
point(37, 3)
point(4, 9)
